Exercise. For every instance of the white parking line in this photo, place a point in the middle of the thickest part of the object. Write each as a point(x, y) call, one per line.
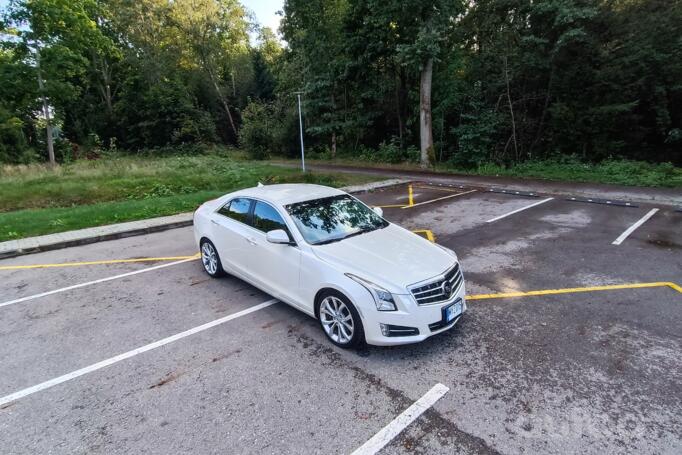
point(438, 199)
point(126, 355)
point(520, 210)
point(409, 415)
point(102, 280)
point(632, 228)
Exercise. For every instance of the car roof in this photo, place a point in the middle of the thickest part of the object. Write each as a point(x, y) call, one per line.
point(289, 193)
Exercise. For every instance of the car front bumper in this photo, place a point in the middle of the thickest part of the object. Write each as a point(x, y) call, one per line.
point(416, 316)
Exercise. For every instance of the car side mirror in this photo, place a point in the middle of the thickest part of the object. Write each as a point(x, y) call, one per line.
point(278, 236)
point(379, 211)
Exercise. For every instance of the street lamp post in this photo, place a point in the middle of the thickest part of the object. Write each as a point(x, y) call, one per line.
point(300, 127)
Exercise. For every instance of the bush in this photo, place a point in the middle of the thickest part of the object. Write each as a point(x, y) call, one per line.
point(318, 152)
point(269, 128)
point(256, 134)
point(63, 150)
point(390, 152)
point(13, 146)
point(476, 138)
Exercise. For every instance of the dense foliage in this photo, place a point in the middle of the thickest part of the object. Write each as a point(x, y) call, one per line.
point(129, 74)
point(513, 80)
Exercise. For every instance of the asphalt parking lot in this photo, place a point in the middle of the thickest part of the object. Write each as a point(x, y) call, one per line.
point(572, 343)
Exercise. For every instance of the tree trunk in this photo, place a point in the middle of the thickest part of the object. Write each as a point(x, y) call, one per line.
point(223, 101)
point(425, 124)
point(334, 145)
point(541, 123)
point(229, 114)
point(334, 132)
point(399, 108)
point(511, 111)
point(46, 112)
point(105, 84)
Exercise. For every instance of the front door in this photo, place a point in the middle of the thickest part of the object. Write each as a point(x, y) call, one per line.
point(275, 266)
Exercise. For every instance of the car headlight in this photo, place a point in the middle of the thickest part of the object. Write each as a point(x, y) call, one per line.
point(382, 298)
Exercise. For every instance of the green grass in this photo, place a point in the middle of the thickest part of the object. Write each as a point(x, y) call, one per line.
point(617, 172)
point(35, 200)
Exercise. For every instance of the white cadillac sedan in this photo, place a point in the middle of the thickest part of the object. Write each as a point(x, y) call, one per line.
point(329, 255)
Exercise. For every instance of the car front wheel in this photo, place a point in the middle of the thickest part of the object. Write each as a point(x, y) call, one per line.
point(340, 320)
point(210, 259)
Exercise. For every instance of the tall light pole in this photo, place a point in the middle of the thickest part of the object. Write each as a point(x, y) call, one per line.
point(300, 127)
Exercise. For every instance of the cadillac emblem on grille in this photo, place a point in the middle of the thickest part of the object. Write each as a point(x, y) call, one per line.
point(447, 289)
point(438, 289)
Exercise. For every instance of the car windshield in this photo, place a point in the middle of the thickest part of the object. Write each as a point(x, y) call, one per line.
point(332, 219)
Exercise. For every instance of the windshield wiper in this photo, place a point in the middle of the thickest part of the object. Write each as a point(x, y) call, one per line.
point(360, 231)
point(352, 234)
point(325, 242)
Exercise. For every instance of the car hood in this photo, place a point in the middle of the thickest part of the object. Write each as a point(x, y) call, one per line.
point(391, 257)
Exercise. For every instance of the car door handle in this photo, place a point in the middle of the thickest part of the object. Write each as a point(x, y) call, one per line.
point(214, 222)
point(251, 240)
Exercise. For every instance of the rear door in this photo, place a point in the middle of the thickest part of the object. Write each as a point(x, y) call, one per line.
point(231, 232)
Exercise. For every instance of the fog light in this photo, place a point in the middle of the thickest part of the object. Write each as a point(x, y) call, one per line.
point(385, 330)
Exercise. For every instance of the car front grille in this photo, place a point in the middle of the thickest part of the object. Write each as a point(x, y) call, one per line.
point(440, 289)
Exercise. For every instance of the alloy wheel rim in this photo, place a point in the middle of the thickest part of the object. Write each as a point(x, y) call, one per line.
point(337, 320)
point(209, 258)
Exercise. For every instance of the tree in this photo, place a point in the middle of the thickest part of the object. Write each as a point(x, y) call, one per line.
point(401, 40)
point(266, 56)
point(313, 30)
point(213, 34)
point(53, 37)
point(18, 104)
point(469, 82)
point(421, 53)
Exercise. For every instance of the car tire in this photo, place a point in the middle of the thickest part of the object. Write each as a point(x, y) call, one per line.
point(339, 319)
point(210, 259)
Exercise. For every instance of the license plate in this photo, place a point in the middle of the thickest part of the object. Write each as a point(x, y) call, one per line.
point(453, 311)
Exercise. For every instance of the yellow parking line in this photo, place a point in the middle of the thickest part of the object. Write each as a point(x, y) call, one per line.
point(675, 287)
point(575, 290)
point(439, 199)
point(410, 199)
point(429, 235)
point(113, 261)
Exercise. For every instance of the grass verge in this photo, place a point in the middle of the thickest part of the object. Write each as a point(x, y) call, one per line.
point(615, 172)
point(35, 200)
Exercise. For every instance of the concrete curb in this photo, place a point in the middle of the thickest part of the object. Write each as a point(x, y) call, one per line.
point(20, 247)
point(670, 197)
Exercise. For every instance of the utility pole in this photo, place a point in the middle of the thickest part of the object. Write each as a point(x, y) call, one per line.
point(300, 127)
point(46, 111)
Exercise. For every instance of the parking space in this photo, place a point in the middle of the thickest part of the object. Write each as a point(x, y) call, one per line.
point(210, 394)
point(20, 282)
point(161, 360)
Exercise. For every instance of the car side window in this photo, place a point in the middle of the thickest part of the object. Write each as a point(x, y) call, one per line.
point(266, 218)
point(237, 209)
